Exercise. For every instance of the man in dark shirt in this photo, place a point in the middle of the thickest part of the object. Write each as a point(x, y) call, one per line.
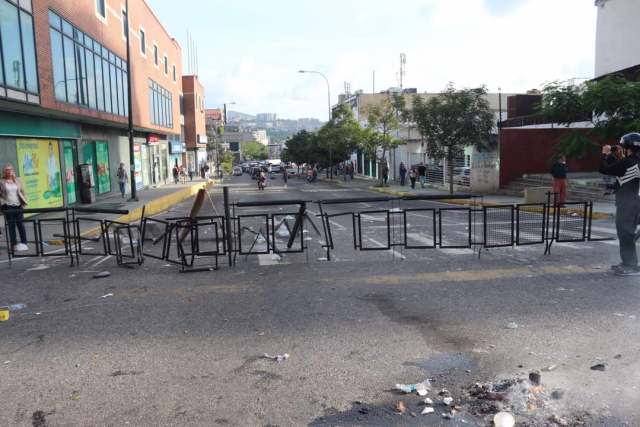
point(559, 173)
point(422, 172)
point(627, 173)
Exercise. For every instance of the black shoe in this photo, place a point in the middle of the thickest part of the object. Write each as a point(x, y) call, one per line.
point(617, 267)
point(627, 271)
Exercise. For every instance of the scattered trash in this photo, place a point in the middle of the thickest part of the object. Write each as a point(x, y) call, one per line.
point(549, 368)
point(617, 356)
point(447, 415)
point(421, 388)
point(101, 275)
point(599, 367)
point(428, 401)
point(400, 407)
point(448, 401)
point(107, 296)
point(260, 334)
point(75, 395)
point(6, 362)
point(558, 420)
point(38, 313)
point(512, 325)
point(428, 410)
point(557, 394)
point(504, 419)
point(4, 314)
point(278, 357)
point(17, 307)
point(535, 378)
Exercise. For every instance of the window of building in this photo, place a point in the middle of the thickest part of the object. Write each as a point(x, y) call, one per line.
point(18, 70)
point(166, 65)
point(155, 55)
point(85, 73)
point(101, 8)
point(174, 73)
point(143, 42)
point(182, 105)
point(160, 105)
point(125, 23)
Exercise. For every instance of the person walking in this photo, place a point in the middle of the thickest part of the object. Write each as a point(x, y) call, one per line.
point(123, 178)
point(176, 174)
point(403, 173)
point(412, 177)
point(559, 173)
point(285, 176)
point(191, 173)
point(12, 203)
point(422, 173)
point(627, 173)
point(385, 174)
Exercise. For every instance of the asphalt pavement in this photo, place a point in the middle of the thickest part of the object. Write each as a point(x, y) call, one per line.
point(153, 346)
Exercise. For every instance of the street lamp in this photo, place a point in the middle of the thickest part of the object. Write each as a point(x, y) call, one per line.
point(328, 106)
point(132, 167)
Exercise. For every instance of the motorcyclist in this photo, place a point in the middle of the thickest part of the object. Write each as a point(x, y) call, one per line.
point(626, 187)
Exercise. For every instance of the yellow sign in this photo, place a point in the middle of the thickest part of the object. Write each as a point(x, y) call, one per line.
point(39, 170)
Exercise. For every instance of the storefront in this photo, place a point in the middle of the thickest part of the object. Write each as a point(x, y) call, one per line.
point(96, 154)
point(43, 154)
point(176, 149)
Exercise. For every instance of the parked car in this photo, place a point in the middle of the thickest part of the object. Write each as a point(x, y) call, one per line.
point(237, 171)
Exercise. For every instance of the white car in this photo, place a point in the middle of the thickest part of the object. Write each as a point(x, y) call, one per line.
point(237, 171)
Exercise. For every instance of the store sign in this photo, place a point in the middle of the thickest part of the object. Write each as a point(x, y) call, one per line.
point(202, 139)
point(39, 170)
point(175, 147)
point(153, 139)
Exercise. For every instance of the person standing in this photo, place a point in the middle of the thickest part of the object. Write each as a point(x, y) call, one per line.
point(385, 174)
point(559, 173)
point(123, 178)
point(285, 176)
point(422, 172)
point(176, 173)
point(403, 173)
point(627, 173)
point(412, 178)
point(12, 203)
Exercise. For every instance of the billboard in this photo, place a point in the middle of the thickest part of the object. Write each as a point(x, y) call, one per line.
point(39, 170)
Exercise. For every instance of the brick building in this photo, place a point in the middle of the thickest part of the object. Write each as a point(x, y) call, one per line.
point(195, 133)
point(64, 95)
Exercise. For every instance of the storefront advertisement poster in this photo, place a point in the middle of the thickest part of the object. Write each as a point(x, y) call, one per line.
point(102, 167)
point(39, 170)
point(69, 173)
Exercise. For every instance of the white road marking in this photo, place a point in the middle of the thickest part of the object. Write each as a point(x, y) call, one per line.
point(391, 251)
point(102, 260)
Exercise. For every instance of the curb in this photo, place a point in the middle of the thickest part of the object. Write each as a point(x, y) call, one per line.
point(595, 215)
point(153, 207)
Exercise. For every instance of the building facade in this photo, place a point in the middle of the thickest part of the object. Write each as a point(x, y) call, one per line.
point(617, 36)
point(195, 133)
point(64, 95)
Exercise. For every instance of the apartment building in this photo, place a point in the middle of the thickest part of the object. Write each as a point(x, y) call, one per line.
point(618, 38)
point(64, 95)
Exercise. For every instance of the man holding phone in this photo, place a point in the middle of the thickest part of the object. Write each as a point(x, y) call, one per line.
point(626, 169)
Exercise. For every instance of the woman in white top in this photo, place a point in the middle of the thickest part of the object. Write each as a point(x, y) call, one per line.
point(12, 202)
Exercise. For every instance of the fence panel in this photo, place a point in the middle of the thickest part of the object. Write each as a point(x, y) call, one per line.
point(498, 226)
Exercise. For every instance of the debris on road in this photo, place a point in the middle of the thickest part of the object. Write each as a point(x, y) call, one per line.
point(427, 410)
point(428, 401)
point(400, 407)
point(558, 420)
point(101, 275)
point(535, 378)
point(549, 368)
point(421, 388)
point(278, 357)
point(448, 415)
point(512, 325)
point(17, 307)
point(75, 395)
point(617, 356)
point(6, 362)
point(448, 401)
point(504, 419)
point(600, 367)
point(4, 314)
point(39, 267)
point(557, 394)
point(109, 295)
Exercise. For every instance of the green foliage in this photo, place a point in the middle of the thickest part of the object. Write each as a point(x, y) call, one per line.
point(611, 104)
point(253, 150)
point(226, 162)
point(454, 120)
point(301, 148)
point(382, 120)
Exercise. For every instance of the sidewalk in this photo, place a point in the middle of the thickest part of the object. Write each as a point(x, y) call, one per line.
point(601, 209)
point(155, 201)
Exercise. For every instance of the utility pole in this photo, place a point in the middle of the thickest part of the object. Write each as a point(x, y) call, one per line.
point(132, 167)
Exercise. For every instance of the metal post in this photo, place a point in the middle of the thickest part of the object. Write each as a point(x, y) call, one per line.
point(132, 167)
point(227, 223)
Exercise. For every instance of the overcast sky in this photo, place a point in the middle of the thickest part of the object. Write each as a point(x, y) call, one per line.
point(250, 50)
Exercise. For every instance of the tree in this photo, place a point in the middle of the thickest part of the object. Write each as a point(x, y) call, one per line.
point(382, 119)
point(611, 105)
point(253, 150)
point(301, 148)
point(339, 137)
point(454, 120)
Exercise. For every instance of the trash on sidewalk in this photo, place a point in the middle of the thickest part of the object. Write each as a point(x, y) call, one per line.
point(109, 295)
point(503, 419)
point(400, 407)
point(278, 357)
point(428, 410)
point(421, 388)
point(101, 275)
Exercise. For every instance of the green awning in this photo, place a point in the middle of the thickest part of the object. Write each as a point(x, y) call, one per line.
point(14, 124)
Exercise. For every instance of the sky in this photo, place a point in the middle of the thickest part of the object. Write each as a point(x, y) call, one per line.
point(250, 51)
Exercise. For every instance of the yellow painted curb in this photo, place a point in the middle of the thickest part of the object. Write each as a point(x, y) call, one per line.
point(153, 207)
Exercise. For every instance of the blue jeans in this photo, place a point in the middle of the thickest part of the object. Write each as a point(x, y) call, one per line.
point(123, 186)
point(14, 219)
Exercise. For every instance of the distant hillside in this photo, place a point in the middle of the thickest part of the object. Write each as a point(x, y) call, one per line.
point(236, 115)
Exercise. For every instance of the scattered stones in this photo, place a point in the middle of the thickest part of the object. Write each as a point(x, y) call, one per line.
point(617, 356)
point(558, 420)
point(504, 419)
point(557, 394)
point(600, 367)
point(512, 325)
point(101, 275)
point(535, 377)
point(427, 410)
point(549, 368)
point(447, 415)
point(448, 401)
point(400, 407)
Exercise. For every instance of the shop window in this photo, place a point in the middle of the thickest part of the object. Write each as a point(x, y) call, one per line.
point(101, 8)
point(18, 70)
